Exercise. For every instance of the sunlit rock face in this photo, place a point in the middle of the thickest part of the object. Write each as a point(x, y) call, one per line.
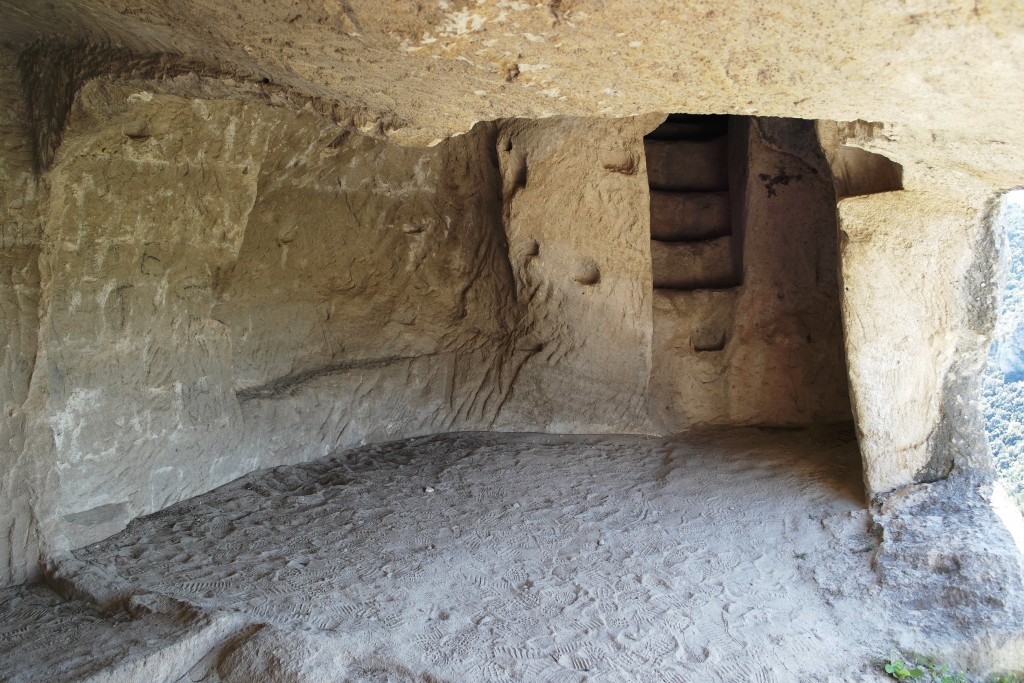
point(237, 237)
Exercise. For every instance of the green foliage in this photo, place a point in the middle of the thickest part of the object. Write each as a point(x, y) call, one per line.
point(1005, 678)
point(923, 669)
point(1002, 400)
point(1003, 404)
point(901, 671)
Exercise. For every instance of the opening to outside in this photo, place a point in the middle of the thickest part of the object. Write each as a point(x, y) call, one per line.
point(1003, 383)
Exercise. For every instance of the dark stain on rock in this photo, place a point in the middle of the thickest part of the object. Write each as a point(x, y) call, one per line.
point(780, 178)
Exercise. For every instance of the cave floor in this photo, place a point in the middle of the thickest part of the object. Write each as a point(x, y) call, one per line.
point(728, 556)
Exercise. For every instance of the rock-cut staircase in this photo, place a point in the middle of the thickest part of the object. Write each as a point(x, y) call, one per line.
point(697, 268)
point(691, 236)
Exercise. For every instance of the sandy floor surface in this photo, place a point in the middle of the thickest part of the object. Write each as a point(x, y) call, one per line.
point(739, 556)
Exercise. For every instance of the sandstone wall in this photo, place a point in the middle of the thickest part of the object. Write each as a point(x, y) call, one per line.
point(155, 314)
point(227, 285)
point(20, 195)
point(920, 270)
point(578, 224)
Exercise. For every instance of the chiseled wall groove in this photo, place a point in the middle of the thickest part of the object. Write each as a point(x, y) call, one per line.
point(283, 385)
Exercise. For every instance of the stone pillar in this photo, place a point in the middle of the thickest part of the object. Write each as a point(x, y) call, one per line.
point(919, 300)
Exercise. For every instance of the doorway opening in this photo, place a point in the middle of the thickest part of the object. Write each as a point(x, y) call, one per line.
point(1003, 382)
point(744, 257)
point(692, 231)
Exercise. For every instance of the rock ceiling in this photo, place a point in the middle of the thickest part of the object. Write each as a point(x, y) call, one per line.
point(943, 75)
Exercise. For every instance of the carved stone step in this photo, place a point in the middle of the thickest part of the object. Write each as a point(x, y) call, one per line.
point(693, 265)
point(687, 166)
point(690, 128)
point(682, 216)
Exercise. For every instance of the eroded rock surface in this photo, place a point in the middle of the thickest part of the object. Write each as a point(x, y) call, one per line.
point(953, 568)
point(244, 285)
point(918, 414)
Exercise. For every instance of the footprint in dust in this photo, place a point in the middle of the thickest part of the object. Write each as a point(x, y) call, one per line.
point(582, 661)
point(698, 655)
point(515, 576)
point(683, 676)
point(662, 645)
point(742, 668)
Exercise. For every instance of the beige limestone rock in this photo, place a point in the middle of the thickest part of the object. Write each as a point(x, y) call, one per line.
point(428, 70)
point(137, 229)
point(578, 235)
point(941, 75)
point(689, 216)
point(698, 166)
point(916, 273)
point(20, 196)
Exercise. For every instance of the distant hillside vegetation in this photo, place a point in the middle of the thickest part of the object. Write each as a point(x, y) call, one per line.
point(1003, 384)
